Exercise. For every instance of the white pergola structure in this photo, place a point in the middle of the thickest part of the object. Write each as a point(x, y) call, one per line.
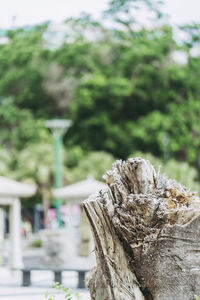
point(10, 193)
point(74, 194)
point(80, 191)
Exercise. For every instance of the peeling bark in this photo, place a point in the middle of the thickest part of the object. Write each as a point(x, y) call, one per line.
point(146, 230)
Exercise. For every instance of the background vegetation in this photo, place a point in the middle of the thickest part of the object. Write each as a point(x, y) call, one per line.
point(120, 85)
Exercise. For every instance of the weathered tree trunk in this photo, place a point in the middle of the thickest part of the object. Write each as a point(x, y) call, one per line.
point(146, 230)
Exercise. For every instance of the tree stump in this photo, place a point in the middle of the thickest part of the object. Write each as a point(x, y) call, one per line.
point(146, 229)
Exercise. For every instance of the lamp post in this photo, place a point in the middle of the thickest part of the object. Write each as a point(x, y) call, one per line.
point(58, 128)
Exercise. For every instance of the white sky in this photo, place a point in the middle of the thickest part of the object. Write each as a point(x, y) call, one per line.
point(29, 12)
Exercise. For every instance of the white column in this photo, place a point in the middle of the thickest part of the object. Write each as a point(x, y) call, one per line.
point(1, 235)
point(71, 250)
point(15, 234)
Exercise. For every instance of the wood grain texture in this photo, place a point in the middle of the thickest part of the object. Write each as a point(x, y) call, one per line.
point(146, 230)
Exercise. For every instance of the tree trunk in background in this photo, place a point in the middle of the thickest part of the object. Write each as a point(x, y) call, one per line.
point(46, 204)
point(146, 230)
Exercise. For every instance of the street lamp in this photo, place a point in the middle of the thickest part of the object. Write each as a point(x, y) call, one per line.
point(58, 128)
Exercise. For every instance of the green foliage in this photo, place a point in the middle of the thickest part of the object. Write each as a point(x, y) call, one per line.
point(182, 125)
point(96, 98)
point(18, 126)
point(5, 162)
point(37, 243)
point(22, 61)
point(74, 154)
point(127, 7)
point(120, 86)
point(192, 32)
point(37, 163)
point(129, 87)
point(68, 293)
point(94, 164)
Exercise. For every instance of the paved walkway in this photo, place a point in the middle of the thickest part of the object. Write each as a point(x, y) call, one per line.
point(42, 281)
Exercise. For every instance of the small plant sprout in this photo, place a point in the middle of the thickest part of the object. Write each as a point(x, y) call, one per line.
point(68, 293)
point(49, 296)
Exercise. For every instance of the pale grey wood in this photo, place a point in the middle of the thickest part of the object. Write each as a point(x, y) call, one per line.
point(146, 230)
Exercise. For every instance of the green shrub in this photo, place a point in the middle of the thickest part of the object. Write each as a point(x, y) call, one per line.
point(36, 243)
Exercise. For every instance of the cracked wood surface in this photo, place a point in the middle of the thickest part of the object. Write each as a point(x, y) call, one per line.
point(146, 230)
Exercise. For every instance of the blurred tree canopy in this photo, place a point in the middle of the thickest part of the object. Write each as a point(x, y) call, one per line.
point(94, 164)
point(121, 85)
